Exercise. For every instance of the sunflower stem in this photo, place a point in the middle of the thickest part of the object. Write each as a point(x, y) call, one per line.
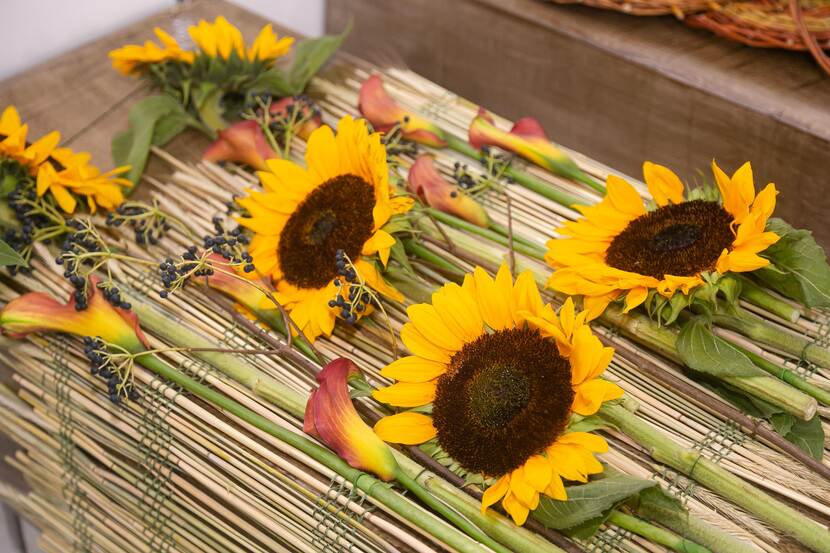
point(756, 295)
point(370, 485)
point(755, 328)
point(654, 534)
point(663, 339)
point(520, 177)
point(694, 465)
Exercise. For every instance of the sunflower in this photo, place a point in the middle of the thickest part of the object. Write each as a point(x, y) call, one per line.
point(621, 248)
point(221, 39)
point(13, 143)
point(134, 58)
point(503, 375)
point(304, 217)
point(75, 174)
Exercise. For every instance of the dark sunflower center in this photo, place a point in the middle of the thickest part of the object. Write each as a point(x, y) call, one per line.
point(505, 397)
point(678, 239)
point(337, 215)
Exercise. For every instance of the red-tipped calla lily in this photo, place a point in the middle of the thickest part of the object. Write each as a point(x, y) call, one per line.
point(527, 138)
point(308, 111)
point(427, 183)
point(331, 417)
point(384, 113)
point(242, 142)
point(37, 312)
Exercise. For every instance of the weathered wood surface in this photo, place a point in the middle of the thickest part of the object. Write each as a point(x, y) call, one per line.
point(618, 88)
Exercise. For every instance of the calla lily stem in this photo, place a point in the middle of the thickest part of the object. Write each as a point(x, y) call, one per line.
point(520, 177)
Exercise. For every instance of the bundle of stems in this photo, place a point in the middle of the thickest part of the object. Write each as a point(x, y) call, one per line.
point(364, 348)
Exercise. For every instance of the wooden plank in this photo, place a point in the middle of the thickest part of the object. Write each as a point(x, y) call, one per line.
point(618, 88)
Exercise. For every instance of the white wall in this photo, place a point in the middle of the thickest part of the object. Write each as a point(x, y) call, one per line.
point(33, 31)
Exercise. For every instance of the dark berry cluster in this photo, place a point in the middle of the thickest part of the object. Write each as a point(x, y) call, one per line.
point(464, 179)
point(79, 259)
point(24, 202)
point(101, 365)
point(174, 275)
point(230, 244)
point(147, 222)
point(395, 143)
point(359, 297)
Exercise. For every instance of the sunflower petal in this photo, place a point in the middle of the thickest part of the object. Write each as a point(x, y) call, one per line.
point(664, 185)
point(413, 369)
point(406, 394)
point(406, 428)
point(495, 492)
point(592, 394)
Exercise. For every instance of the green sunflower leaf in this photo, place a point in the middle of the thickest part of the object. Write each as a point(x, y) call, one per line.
point(153, 121)
point(310, 55)
point(808, 436)
point(589, 501)
point(9, 256)
point(798, 266)
point(704, 352)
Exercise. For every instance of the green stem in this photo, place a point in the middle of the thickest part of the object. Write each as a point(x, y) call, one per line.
point(662, 339)
point(693, 464)
point(416, 249)
point(274, 319)
point(258, 382)
point(517, 239)
point(788, 376)
point(755, 328)
point(520, 177)
point(447, 512)
point(761, 297)
point(655, 534)
point(531, 250)
point(365, 482)
point(681, 522)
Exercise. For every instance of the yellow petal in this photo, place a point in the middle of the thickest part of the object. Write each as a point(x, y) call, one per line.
point(623, 196)
point(525, 297)
point(380, 242)
point(495, 492)
point(426, 319)
point(494, 297)
point(537, 472)
point(556, 489)
point(406, 428)
point(589, 441)
point(592, 394)
point(413, 369)
point(520, 488)
point(64, 198)
point(322, 156)
point(635, 297)
point(664, 185)
point(458, 310)
point(515, 509)
point(406, 394)
point(416, 343)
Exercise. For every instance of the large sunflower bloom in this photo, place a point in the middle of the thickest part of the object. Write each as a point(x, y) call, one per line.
point(14, 145)
point(619, 248)
point(221, 39)
point(304, 216)
point(503, 374)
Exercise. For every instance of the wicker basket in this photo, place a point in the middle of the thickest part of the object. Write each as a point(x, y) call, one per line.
point(678, 8)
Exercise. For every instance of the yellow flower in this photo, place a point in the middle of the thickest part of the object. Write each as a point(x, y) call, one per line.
point(135, 57)
point(304, 216)
point(13, 143)
point(221, 39)
point(620, 249)
point(75, 175)
point(503, 373)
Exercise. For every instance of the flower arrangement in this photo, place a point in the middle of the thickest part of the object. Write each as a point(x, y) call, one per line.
point(502, 403)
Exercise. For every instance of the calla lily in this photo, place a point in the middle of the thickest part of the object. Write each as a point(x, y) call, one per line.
point(384, 113)
point(308, 111)
point(331, 417)
point(242, 142)
point(527, 138)
point(37, 312)
point(427, 183)
point(235, 287)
